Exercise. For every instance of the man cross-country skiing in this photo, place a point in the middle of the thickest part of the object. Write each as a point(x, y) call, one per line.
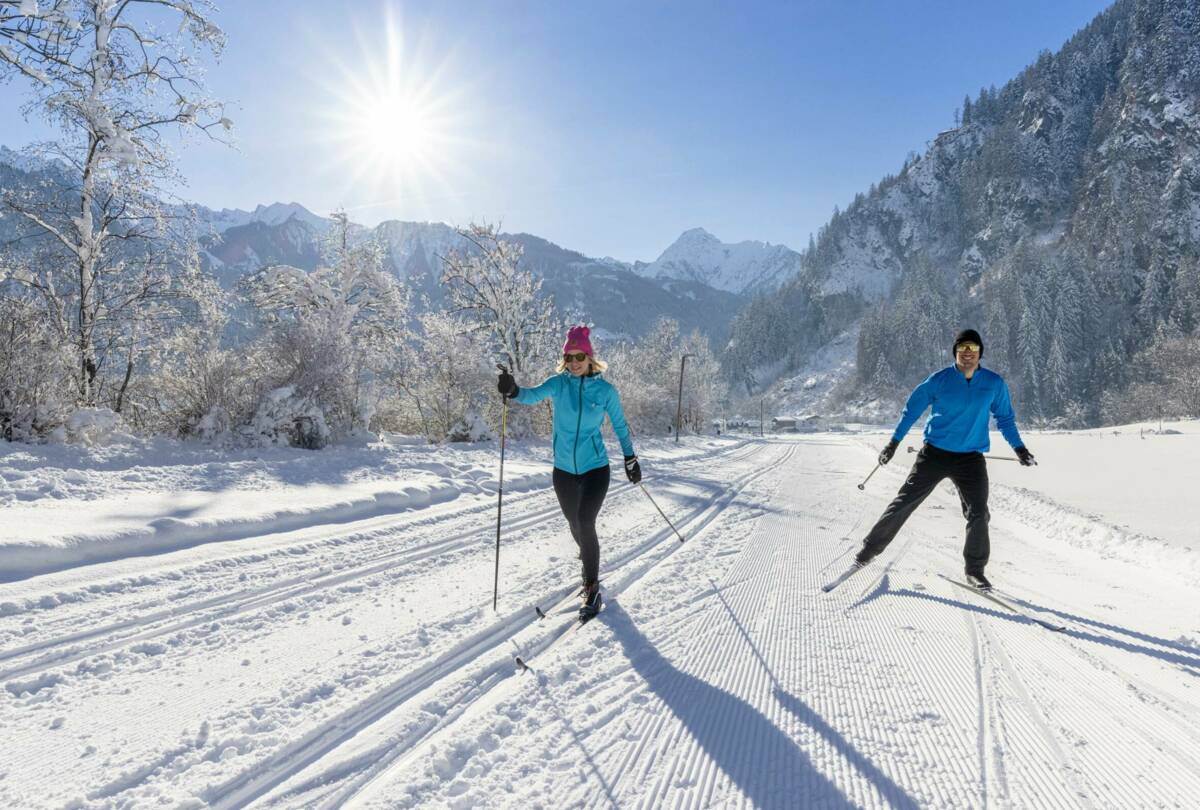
point(963, 397)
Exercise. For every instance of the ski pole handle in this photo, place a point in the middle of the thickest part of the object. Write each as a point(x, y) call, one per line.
point(863, 485)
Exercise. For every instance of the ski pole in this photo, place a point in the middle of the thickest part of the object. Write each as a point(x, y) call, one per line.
point(500, 494)
point(660, 511)
point(912, 449)
point(863, 485)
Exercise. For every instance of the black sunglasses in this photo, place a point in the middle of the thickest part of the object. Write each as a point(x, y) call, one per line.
point(577, 357)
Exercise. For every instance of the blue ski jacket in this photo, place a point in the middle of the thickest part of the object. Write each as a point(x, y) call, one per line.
point(580, 404)
point(961, 409)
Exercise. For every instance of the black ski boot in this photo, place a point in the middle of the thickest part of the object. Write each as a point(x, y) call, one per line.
point(976, 579)
point(592, 602)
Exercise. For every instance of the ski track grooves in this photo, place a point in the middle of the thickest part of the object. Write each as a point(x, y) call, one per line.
point(1082, 777)
point(228, 605)
point(259, 780)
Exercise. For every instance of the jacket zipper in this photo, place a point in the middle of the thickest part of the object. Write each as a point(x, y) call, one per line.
point(578, 423)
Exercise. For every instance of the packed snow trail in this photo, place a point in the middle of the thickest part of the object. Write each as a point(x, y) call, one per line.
point(725, 677)
point(355, 665)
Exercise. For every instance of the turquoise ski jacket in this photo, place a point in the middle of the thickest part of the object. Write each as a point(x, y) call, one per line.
point(961, 410)
point(580, 404)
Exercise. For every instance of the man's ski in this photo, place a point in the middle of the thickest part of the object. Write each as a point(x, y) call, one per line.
point(851, 571)
point(1004, 603)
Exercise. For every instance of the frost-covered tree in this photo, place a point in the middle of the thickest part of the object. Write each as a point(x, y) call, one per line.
point(646, 372)
point(32, 367)
point(112, 77)
point(334, 334)
point(499, 301)
point(447, 380)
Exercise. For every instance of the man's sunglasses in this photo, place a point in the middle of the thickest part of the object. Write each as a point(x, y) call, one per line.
point(577, 357)
point(967, 347)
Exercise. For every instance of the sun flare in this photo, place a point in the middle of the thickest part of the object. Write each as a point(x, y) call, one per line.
point(396, 132)
point(394, 123)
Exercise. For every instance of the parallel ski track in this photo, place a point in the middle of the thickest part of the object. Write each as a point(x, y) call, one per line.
point(1002, 730)
point(1090, 686)
point(285, 763)
point(338, 534)
point(764, 600)
point(232, 604)
point(616, 581)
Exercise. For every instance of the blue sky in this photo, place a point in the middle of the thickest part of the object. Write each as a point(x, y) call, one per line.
point(606, 127)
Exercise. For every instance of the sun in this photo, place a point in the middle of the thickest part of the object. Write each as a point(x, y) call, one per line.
point(395, 132)
point(393, 123)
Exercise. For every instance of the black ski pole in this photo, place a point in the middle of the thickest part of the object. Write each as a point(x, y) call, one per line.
point(500, 494)
point(660, 511)
point(863, 485)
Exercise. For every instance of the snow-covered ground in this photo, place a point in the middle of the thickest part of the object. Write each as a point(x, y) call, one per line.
point(188, 628)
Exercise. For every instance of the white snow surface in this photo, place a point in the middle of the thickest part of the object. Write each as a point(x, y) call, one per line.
point(188, 627)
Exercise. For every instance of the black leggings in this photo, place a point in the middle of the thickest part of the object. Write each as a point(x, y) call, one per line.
point(581, 497)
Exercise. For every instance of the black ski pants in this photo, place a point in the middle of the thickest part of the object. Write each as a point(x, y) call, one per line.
point(580, 497)
point(968, 471)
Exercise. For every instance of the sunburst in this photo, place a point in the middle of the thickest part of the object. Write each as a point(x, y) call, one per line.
point(394, 126)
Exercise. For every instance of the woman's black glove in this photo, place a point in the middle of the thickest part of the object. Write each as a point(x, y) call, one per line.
point(633, 470)
point(506, 385)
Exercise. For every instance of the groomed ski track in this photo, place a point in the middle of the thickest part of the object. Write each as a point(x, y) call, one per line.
point(726, 678)
point(354, 665)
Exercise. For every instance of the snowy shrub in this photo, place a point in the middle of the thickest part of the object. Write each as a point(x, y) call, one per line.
point(646, 373)
point(471, 428)
point(332, 334)
point(35, 371)
point(284, 418)
point(444, 380)
point(92, 427)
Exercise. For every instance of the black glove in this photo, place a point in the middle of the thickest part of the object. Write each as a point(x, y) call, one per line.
point(506, 385)
point(1025, 457)
point(885, 455)
point(633, 470)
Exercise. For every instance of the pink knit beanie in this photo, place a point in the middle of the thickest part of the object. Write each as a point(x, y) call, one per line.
point(579, 340)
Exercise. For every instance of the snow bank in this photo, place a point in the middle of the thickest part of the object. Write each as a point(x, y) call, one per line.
point(68, 505)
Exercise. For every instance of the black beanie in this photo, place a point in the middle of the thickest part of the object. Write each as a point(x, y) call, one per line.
point(967, 336)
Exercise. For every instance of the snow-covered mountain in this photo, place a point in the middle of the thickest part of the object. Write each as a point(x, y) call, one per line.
point(606, 292)
point(273, 214)
point(1061, 219)
point(743, 268)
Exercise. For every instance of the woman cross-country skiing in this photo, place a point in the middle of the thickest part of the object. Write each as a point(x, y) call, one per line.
point(581, 400)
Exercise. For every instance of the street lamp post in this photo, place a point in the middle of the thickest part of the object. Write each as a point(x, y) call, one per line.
point(679, 407)
point(760, 418)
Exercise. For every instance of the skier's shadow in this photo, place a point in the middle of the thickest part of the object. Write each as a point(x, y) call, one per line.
point(1190, 663)
point(763, 762)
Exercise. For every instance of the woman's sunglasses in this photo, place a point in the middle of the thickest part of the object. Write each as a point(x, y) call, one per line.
point(576, 357)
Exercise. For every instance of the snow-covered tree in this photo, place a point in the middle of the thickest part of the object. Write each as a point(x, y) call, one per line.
point(447, 380)
point(646, 372)
point(112, 79)
point(335, 332)
point(500, 301)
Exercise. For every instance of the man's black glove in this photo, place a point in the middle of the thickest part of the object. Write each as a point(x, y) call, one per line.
point(885, 455)
point(1025, 457)
point(633, 470)
point(506, 385)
